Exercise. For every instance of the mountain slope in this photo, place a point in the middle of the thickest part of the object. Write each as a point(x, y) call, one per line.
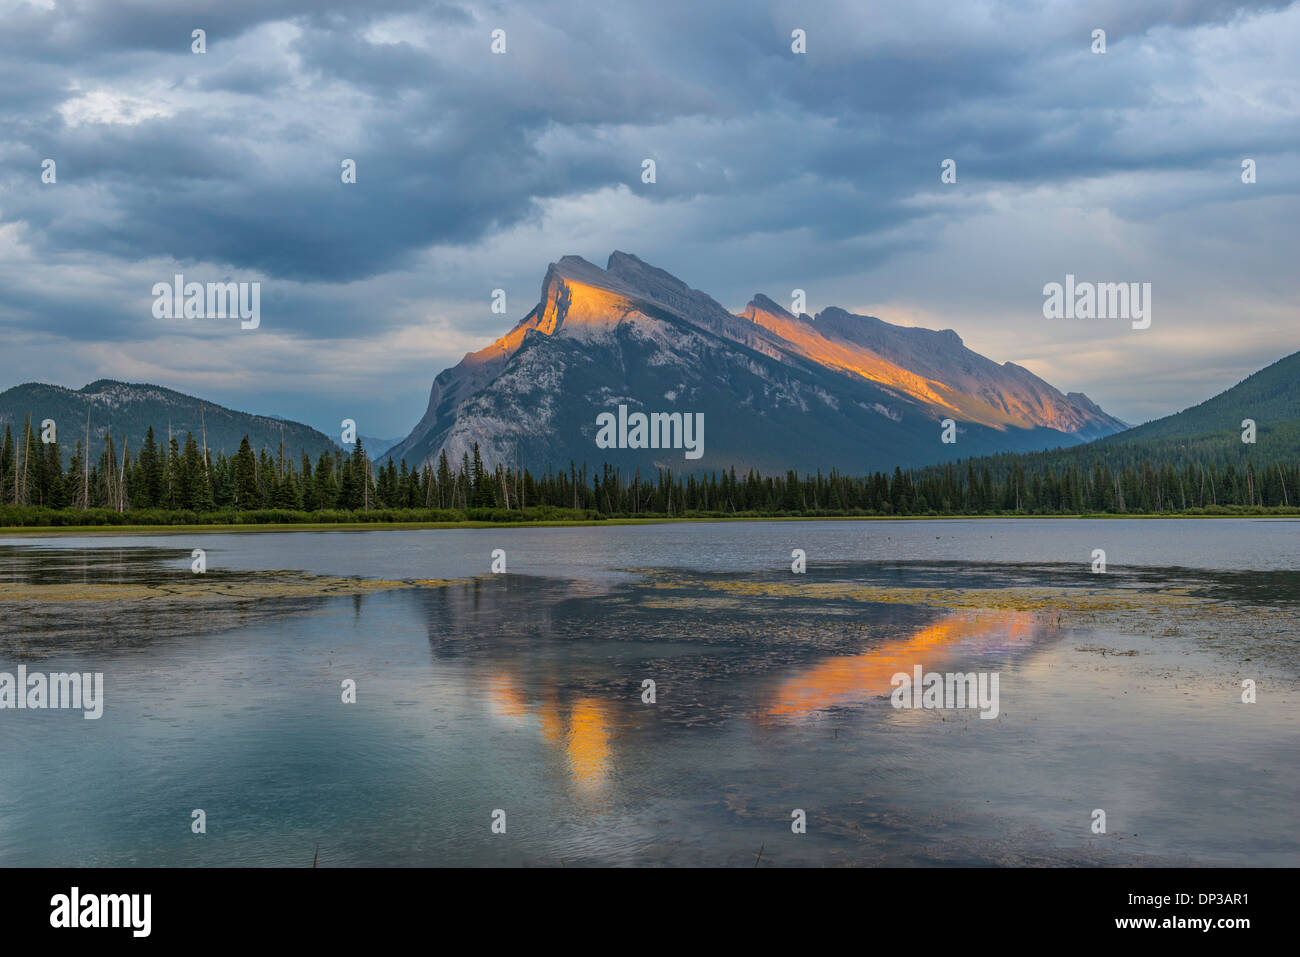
point(777, 391)
point(1270, 396)
point(935, 367)
point(1206, 434)
point(130, 409)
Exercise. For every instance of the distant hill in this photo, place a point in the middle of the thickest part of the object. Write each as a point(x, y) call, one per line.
point(1206, 434)
point(375, 447)
point(130, 409)
point(1270, 396)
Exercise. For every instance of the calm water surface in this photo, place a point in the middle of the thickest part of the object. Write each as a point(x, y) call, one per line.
point(522, 692)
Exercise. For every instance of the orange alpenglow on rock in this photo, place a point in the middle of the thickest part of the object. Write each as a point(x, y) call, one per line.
point(783, 392)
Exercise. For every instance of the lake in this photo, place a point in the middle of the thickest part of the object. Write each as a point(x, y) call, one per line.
point(525, 693)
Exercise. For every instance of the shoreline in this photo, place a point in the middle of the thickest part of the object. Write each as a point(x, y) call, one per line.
point(42, 531)
point(109, 530)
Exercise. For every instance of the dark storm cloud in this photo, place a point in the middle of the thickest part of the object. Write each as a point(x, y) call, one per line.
point(806, 169)
point(76, 29)
point(450, 140)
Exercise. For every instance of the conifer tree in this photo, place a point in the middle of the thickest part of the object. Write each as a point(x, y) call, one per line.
point(7, 472)
point(245, 477)
point(151, 470)
point(444, 481)
point(196, 488)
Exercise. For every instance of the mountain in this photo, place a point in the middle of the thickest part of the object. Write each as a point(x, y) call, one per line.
point(1270, 396)
point(935, 367)
point(130, 409)
point(375, 448)
point(777, 391)
point(1206, 434)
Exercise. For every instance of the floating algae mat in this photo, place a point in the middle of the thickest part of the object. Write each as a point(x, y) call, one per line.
point(1224, 608)
point(1023, 599)
point(212, 587)
point(134, 592)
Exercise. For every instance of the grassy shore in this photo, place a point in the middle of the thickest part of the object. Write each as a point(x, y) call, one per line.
point(59, 530)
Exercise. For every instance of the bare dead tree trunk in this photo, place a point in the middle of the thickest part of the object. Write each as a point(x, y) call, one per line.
point(121, 479)
point(203, 425)
point(27, 454)
point(85, 481)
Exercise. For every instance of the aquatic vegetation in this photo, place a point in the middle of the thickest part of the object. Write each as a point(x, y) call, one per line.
point(1009, 599)
point(241, 588)
point(1206, 611)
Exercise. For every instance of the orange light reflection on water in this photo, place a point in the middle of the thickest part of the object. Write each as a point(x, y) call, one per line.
point(580, 731)
point(853, 679)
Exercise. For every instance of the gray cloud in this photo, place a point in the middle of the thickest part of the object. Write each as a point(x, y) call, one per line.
point(773, 170)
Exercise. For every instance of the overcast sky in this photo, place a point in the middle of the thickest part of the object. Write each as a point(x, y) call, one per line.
point(775, 171)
